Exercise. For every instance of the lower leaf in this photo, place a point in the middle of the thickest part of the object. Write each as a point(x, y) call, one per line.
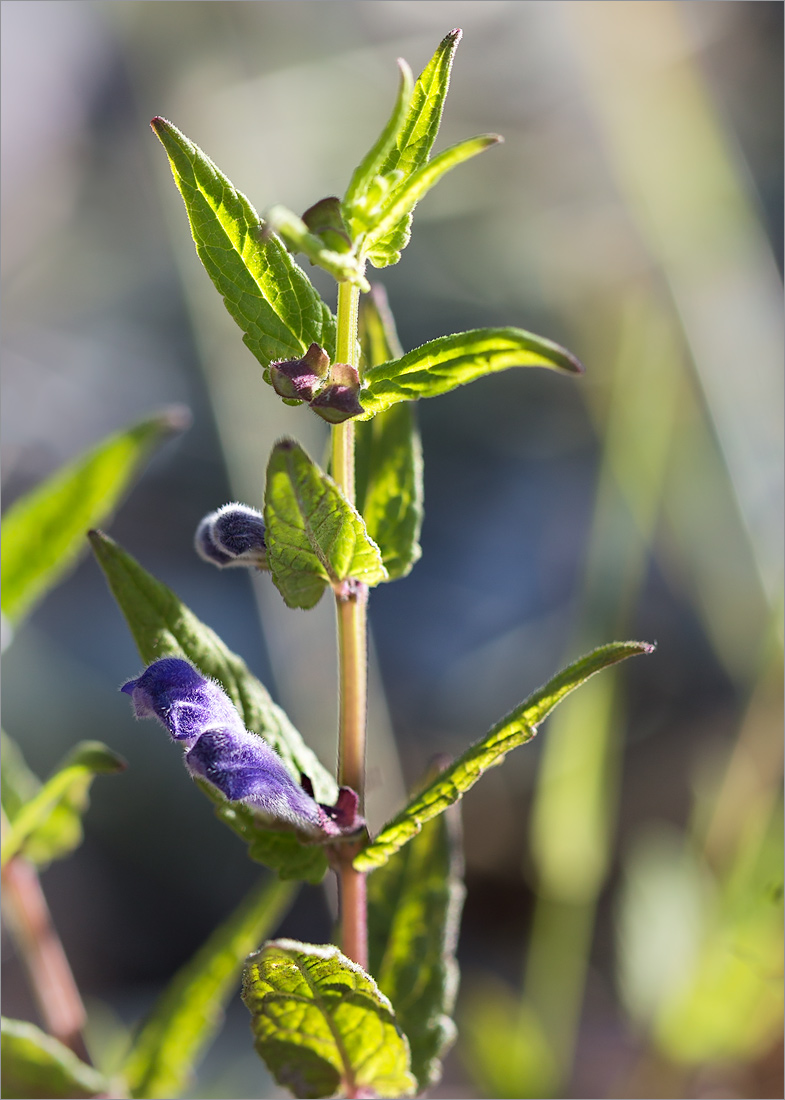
point(36, 1065)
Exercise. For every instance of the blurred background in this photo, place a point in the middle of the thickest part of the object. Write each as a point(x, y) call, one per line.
point(623, 922)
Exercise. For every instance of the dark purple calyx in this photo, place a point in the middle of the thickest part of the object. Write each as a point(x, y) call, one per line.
point(339, 400)
point(300, 379)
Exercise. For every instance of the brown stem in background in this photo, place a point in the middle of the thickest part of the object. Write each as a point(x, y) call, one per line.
point(30, 922)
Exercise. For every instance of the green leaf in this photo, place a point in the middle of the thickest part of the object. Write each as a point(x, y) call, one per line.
point(383, 243)
point(388, 454)
point(314, 536)
point(162, 626)
point(66, 789)
point(343, 266)
point(321, 1023)
point(190, 1010)
point(269, 296)
point(36, 1065)
point(43, 532)
point(450, 361)
point(280, 850)
point(414, 912)
point(369, 167)
point(516, 729)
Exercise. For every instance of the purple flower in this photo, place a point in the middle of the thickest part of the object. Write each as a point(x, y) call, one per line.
point(241, 765)
point(232, 535)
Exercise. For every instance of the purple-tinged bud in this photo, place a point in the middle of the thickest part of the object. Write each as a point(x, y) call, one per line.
point(232, 535)
point(241, 765)
point(300, 379)
point(339, 400)
point(325, 219)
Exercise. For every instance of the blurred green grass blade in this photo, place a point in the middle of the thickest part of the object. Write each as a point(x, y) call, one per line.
point(162, 626)
point(450, 361)
point(279, 850)
point(269, 296)
point(190, 1010)
point(516, 729)
point(414, 912)
point(43, 532)
point(37, 1066)
point(388, 453)
point(321, 1024)
point(67, 787)
point(314, 536)
point(392, 220)
point(416, 136)
point(370, 166)
point(343, 266)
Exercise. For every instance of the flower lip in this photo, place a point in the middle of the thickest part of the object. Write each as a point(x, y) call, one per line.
point(232, 535)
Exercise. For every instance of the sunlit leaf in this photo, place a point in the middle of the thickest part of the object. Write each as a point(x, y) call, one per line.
point(37, 1066)
point(67, 788)
point(190, 1010)
point(450, 361)
point(43, 532)
point(269, 296)
point(321, 1024)
point(314, 536)
point(516, 729)
point(414, 912)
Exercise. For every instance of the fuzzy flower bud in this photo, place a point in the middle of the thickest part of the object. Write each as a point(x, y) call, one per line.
point(300, 379)
point(241, 765)
point(232, 535)
point(339, 399)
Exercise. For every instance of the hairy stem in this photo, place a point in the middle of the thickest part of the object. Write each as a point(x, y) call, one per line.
point(352, 656)
point(53, 985)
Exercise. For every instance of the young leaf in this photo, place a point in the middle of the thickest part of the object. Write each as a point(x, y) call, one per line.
point(43, 533)
point(36, 1065)
point(414, 912)
point(450, 361)
point(343, 266)
point(369, 167)
point(162, 626)
point(281, 851)
point(269, 296)
point(389, 234)
point(314, 536)
point(516, 729)
point(388, 454)
point(189, 1011)
point(67, 790)
point(321, 1023)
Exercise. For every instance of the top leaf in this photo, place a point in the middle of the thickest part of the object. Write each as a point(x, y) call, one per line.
point(269, 296)
point(43, 532)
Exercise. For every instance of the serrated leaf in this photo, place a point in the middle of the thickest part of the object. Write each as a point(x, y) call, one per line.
point(343, 266)
point(68, 789)
point(370, 165)
point(450, 361)
point(515, 729)
point(414, 912)
point(321, 1023)
point(36, 1065)
point(392, 218)
point(268, 295)
point(190, 1010)
point(43, 532)
point(388, 454)
point(314, 536)
point(279, 850)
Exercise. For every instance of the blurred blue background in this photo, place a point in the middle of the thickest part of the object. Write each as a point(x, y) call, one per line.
point(633, 214)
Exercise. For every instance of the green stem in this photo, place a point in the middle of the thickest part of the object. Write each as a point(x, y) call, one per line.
point(352, 656)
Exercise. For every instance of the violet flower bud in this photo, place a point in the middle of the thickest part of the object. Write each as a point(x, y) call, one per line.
point(240, 764)
point(232, 535)
point(300, 379)
point(339, 399)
